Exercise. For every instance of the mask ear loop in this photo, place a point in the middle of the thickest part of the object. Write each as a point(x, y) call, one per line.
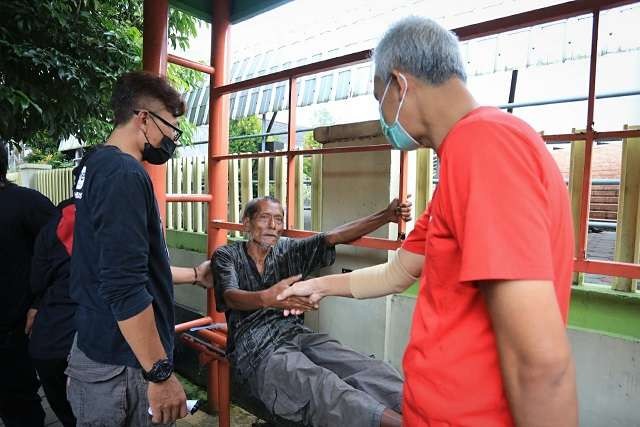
point(384, 94)
point(404, 93)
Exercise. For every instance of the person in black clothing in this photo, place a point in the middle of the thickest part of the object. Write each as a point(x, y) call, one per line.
point(23, 212)
point(122, 360)
point(53, 328)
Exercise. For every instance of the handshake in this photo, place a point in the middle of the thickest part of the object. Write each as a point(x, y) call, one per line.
point(292, 296)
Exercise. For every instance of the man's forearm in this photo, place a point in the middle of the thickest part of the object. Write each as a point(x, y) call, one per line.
point(337, 285)
point(355, 229)
point(535, 355)
point(141, 334)
point(237, 299)
point(181, 275)
point(546, 398)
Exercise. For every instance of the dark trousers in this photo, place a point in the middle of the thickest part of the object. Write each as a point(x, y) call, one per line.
point(19, 401)
point(315, 380)
point(54, 383)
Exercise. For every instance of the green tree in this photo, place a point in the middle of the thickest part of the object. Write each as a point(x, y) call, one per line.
point(245, 126)
point(60, 59)
point(309, 143)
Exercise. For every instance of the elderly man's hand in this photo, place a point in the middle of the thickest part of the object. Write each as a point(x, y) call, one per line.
point(397, 211)
point(293, 305)
point(307, 288)
point(204, 275)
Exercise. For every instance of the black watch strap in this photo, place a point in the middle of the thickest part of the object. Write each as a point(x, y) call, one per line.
point(159, 372)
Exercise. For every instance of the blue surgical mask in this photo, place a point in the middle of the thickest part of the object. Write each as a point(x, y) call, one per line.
point(395, 133)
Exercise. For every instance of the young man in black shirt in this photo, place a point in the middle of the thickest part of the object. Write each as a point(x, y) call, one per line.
point(122, 361)
point(22, 213)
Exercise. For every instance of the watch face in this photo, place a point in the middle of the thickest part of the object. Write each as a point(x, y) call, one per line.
point(160, 371)
point(165, 369)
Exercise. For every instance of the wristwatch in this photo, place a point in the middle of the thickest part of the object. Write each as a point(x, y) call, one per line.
point(159, 372)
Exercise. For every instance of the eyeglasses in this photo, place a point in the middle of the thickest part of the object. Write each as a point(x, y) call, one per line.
point(177, 132)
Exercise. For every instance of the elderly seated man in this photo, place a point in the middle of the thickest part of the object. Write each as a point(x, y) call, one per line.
point(298, 374)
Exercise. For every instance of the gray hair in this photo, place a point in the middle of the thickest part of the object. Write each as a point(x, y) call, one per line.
point(422, 48)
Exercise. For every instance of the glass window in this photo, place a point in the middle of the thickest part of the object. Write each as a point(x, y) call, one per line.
point(309, 91)
point(363, 80)
point(253, 102)
point(204, 107)
point(265, 102)
point(344, 81)
point(279, 102)
point(326, 85)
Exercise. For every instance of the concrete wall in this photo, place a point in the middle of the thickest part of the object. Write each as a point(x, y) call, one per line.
point(193, 298)
point(608, 374)
point(355, 185)
point(607, 369)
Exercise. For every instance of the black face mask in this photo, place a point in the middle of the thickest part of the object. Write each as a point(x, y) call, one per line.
point(160, 155)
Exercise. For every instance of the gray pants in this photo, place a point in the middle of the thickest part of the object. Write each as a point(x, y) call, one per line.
point(104, 395)
point(316, 380)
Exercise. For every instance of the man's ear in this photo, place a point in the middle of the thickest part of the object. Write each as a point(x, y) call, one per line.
point(141, 119)
point(400, 80)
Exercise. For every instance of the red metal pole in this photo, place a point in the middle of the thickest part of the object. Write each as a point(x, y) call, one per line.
point(218, 172)
point(218, 136)
point(184, 62)
point(402, 192)
point(586, 173)
point(291, 158)
point(224, 414)
point(192, 324)
point(154, 60)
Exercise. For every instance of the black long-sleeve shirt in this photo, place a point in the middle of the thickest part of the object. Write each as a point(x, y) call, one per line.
point(120, 261)
point(53, 328)
point(23, 212)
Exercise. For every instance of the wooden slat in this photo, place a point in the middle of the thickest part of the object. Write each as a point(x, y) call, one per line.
point(198, 219)
point(628, 226)
point(575, 190)
point(187, 187)
point(246, 181)
point(178, 176)
point(263, 177)
point(299, 191)
point(170, 207)
point(316, 192)
point(234, 193)
point(424, 180)
point(280, 180)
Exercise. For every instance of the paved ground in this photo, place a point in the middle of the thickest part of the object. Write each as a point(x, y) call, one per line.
point(239, 418)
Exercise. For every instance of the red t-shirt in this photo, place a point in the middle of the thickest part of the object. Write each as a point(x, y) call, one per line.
point(501, 211)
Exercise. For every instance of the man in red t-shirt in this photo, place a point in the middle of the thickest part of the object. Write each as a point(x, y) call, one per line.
point(488, 344)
